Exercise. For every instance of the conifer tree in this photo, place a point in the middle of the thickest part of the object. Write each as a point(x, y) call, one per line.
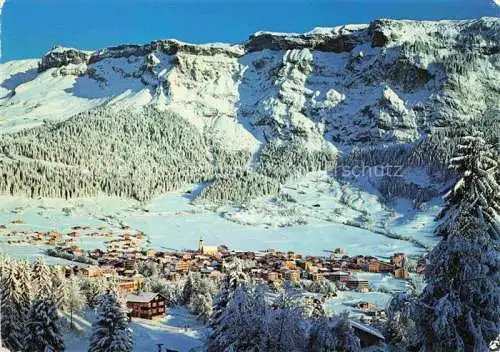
point(41, 278)
point(42, 331)
point(234, 278)
point(202, 306)
point(12, 311)
point(459, 310)
point(73, 299)
point(477, 192)
point(333, 334)
point(110, 332)
point(240, 325)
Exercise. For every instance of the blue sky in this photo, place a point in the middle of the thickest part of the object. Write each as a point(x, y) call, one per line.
point(31, 27)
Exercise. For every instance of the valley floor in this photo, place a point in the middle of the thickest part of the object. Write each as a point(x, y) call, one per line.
point(319, 221)
point(323, 216)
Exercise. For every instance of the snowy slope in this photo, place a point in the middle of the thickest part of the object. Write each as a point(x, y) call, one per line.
point(349, 84)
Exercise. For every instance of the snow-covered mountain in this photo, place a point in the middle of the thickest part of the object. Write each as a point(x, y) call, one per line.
point(139, 120)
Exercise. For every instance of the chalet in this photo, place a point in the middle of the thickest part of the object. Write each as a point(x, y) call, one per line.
point(139, 235)
point(342, 276)
point(182, 265)
point(290, 265)
point(376, 266)
point(187, 256)
point(398, 260)
point(127, 285)
point(146, 305)
point(55, 235)
point(401, 273)
point(357, 284)
point(96, 253)
point(292, 275)
point(317, 277)
point(108, 271)
point(243, 255)
point(73, 234)
point(310, 267)
point(76, 251)
point(273, 276)
point(420, 266)
point(51, 241)
point(92, 271)
point(129, 264)
point(368, 336)
point(173, 277)
point(215, 274)
point(365, 305)
point(359, 260)
point(35, 240)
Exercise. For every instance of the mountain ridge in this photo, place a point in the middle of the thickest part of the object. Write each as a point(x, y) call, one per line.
point(321, 94)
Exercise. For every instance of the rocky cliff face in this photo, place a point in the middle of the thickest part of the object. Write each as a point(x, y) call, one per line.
point(385, 82)
point(389, 82)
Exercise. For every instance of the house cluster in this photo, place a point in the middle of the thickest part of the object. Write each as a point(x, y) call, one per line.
point(67, 240)
point(123, 256)
point(274, 266)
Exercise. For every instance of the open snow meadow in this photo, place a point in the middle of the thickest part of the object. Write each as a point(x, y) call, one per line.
point(315, 225)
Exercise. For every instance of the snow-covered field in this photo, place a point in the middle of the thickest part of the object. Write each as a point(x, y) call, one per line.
point(327, 221)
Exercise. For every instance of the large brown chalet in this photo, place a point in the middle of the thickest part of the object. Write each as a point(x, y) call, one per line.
point(146, 305)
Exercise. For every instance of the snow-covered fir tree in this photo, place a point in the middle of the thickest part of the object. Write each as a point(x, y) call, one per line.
point(313, 308)
point(234, 278)
point(148, 269)
point(285, 329)
point(240, 326)
point(12, 313)
point(92, 289)
point(190, 283)
point(73, 300)
point(459, 309)
point(400, 329)
point(324, 287)
point(477, 189)
point(110, 332)
point(58, 282)
point(42, 330)
point(200, 295)
point(202, 306)
point(171, 290)
point(41, 278)
point(333, 334)
point(15, 295)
